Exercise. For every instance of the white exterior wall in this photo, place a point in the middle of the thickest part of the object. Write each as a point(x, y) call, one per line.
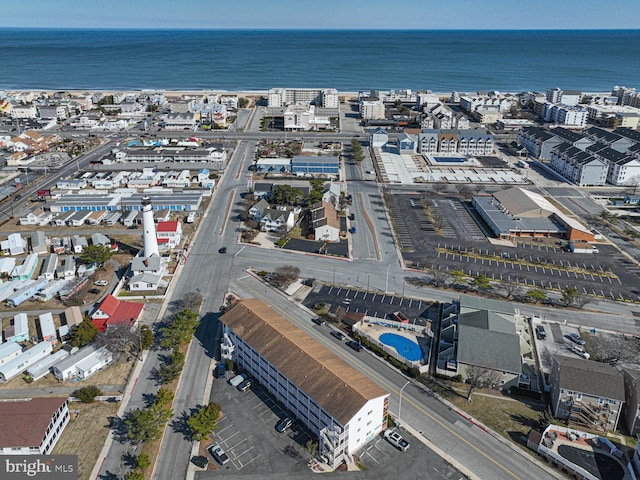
point(327, 233)
point(9, 351)
point(25, 360)
point(366, 424)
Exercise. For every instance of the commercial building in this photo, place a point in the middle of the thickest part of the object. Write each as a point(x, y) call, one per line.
point(303, 164)
point(176, 201)
point(371, 108)
point(465, 142)
point(517, 212)
point(338, 404)
point(280, 97)
point(32, 426)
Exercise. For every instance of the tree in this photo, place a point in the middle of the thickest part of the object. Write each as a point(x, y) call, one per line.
point(172, 369)
point(285, 276)
point(479, 377)
point(243, 102)
point(134, 475)
point(511, 289)
point(440, 277)
point(118, 338)
point(203, 421)
point(180, 329)
point(83, 334)
point(164, 397)
point(285, 194)
point(569, 295)
point(146, 338)
point(545, 419)
point(481, 282)
point(97, 254)
point(537, 295)
point(87, 394)
point(146, 424)
point(143, 461)
point(439, 187)
point(459, 277)
point(582, 299)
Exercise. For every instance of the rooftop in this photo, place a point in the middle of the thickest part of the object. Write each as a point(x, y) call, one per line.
point(25, 422)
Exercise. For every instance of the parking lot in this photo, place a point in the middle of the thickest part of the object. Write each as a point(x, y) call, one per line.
point(256, 450)
point(458, 242)
point(373, 304)
point(555, 343)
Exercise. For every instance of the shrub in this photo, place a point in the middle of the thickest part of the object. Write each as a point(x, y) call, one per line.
point(87, 394)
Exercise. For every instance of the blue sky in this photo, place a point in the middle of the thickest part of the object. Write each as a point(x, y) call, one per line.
point(324, 14)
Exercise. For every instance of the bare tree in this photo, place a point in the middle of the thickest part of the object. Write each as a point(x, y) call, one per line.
point(285, 276)
point(480, 377)
point(464, 190)
point(511, 289)
point(439, 187)
point(440, 277)
point(192, 301)
point(118, 338)
point(582, 299)
point(614, 348)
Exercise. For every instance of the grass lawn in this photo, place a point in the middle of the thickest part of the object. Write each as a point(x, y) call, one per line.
point(512, 418)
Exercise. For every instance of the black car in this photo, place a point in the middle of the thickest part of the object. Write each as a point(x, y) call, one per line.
point(355, 345)
point(540, 332)
point(244, 386)
point(200, 461)
point(222, 250)
point(284, 424)
point(221, 371)
point(318, 321)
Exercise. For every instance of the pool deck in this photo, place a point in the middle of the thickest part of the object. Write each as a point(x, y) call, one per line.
point(376, 331)
point(582, 441)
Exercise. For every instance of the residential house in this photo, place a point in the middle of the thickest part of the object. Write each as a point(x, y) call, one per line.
point(257, 210)
point(37, 217)
point(13, 245)
point(27, 269)
point(73, 316)
point(378, 137)
point(82, 364)
point(18, 331)
point(9, 351)
point(578, 166)
point(169, 234)
point(7, 264)
point(28, 290)
point(340, 406)
point(276, 220)
point(79, 243)
point(262, 190)
point(67, 270)
point(325, 222)
point(32, 426)
point(146, 273)
point(27, 358)
point(586, 393)
point(538, 142)
point(49, 266)
point(100, 239)
point(112, 311)
point(39, 243)
point(47, 328)
point(331, 193)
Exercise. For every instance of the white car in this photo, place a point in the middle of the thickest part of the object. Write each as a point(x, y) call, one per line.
point(101, 283)
point(395, 439)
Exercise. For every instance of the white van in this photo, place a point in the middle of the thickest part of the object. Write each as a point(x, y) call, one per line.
point(238, 379)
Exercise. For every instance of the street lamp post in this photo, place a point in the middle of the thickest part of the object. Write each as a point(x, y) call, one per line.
point(400, 403)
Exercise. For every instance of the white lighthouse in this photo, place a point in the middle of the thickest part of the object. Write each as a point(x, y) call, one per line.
point(148, 229)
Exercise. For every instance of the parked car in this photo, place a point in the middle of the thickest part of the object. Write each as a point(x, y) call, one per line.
point(101, 283)
point(200, 461)
point(541, 334)
point(237, 380)
point(579, 351)
point(395, 439)
point(244, 386)
point(218, 454)
point(284, 424)
point(355, 345)
point(575, 338)
point(339, 335)
point(222, 250)
point(221, 371)
point(318, 321)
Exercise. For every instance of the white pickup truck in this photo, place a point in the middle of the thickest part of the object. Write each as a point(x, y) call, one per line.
point(238, 379)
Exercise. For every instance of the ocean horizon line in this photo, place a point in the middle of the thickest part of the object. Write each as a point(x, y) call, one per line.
point(316, 30)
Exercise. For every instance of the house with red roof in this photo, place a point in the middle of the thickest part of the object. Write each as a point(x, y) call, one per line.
point(169, 234)
point(32, 426)
point(116, 312)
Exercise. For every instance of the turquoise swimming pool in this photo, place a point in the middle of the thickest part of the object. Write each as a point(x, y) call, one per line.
point(404, 346)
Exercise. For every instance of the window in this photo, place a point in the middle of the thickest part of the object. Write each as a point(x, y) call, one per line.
point(601, 401)
point(612, 402)
point(578, 396)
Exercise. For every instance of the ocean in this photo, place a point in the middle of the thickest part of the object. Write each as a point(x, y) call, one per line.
point(351, 61)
